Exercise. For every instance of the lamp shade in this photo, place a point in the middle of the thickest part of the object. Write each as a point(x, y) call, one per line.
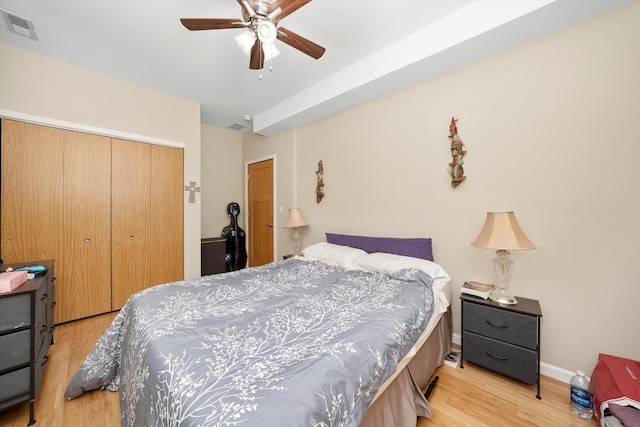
point(501, 231)
point(295, 219)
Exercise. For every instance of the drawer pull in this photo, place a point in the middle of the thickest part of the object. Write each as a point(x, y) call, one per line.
point(44, 297)
point(43, 329)
point(46, 359)
point(53, 303)
point(496, 357)
point(496, 326)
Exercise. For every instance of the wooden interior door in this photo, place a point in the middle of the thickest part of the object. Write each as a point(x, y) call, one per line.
point(31, 193)
point(130, 219)
point(83, 269)
point(167, 214)
point(260, 199)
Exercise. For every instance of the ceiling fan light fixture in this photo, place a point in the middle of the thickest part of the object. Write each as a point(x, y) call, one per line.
point(270, 51)
point(246, 41)
point(266, 32)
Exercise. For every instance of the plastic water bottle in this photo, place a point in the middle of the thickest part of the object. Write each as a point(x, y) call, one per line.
point(581, 402)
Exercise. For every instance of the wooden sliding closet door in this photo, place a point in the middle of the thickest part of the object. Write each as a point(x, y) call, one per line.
point(147, 217)
point(130, 225)
point(84, 276)
point(108, 211)
point(31, 194)
point(167, 223)
point(56, 205)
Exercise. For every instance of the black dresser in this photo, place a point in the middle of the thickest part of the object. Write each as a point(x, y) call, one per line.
point(26, 331)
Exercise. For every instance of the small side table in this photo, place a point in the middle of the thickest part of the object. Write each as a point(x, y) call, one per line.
point(503, 338)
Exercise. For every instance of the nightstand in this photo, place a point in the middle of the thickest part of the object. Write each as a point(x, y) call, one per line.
point(503, 338)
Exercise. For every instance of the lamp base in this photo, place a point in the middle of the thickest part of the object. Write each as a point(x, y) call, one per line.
point(502, 297)
point(503, 270)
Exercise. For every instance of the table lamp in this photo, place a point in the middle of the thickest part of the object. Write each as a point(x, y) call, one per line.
point(295, 221)
point(502, 233)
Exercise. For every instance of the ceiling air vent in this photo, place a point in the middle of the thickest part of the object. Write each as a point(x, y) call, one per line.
point(19, 25)
point(240, 127)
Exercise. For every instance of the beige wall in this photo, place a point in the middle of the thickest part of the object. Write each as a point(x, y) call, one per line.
point(37, 85)
point(552, 130)
point(221, 177)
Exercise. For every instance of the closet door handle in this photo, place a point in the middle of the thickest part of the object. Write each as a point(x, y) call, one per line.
point(131, 237)
point(270, 225)
point(87, 240)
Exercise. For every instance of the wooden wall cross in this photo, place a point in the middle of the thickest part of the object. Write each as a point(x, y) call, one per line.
point(192, 191)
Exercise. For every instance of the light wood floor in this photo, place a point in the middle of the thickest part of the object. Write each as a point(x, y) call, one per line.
point(463, 397)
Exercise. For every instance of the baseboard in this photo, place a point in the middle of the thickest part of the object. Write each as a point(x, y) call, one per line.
point(546, 369)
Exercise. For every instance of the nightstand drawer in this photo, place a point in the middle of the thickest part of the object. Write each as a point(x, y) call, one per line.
point(515, 362)
point(503, 325)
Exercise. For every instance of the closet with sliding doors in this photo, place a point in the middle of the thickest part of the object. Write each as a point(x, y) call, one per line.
point(107, 210)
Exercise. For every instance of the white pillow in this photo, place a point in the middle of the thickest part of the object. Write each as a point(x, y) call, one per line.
point(390, 263)
point(343, 256)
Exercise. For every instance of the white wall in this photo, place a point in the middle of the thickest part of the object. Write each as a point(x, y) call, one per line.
point(552, 130)
point(40, 86)
point(222, 177)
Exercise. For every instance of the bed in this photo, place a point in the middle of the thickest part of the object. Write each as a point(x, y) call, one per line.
point(338, 337)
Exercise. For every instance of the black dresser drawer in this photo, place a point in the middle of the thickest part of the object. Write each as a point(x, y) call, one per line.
point(40, 364)
point(15, 349)
point(516, 362)
point(15, 312)
point(514, 328)
point(14, 384)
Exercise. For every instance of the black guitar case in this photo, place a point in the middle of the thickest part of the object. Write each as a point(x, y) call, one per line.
point(236, 253)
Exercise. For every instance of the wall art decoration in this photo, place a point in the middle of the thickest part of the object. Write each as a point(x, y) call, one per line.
point(320, 184)
point(456, 170)
point(192, 189)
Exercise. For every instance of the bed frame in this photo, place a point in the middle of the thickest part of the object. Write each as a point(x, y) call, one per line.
point(403, 401)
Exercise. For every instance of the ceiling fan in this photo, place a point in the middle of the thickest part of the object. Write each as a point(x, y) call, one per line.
point(261, 18)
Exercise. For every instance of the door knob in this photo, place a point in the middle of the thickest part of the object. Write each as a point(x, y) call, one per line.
point(270, 225)
point(87, 240)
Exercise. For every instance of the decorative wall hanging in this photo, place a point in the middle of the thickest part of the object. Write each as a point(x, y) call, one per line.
point(320, 185)
point(192, 189)
point(456, 171)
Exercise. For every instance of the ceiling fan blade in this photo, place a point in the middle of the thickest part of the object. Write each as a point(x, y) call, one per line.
point(287, 6)
point(256, 62)
point(298, 42)
point(196, 24)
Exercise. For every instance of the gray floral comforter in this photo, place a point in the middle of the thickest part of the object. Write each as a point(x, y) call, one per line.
point(293, 343)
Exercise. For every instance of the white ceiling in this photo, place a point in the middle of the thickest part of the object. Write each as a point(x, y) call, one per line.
point(372, 48)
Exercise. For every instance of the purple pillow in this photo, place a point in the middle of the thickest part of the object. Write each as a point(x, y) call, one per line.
point(414, 247)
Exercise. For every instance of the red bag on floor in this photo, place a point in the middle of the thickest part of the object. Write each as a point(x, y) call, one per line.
point(615, 380)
